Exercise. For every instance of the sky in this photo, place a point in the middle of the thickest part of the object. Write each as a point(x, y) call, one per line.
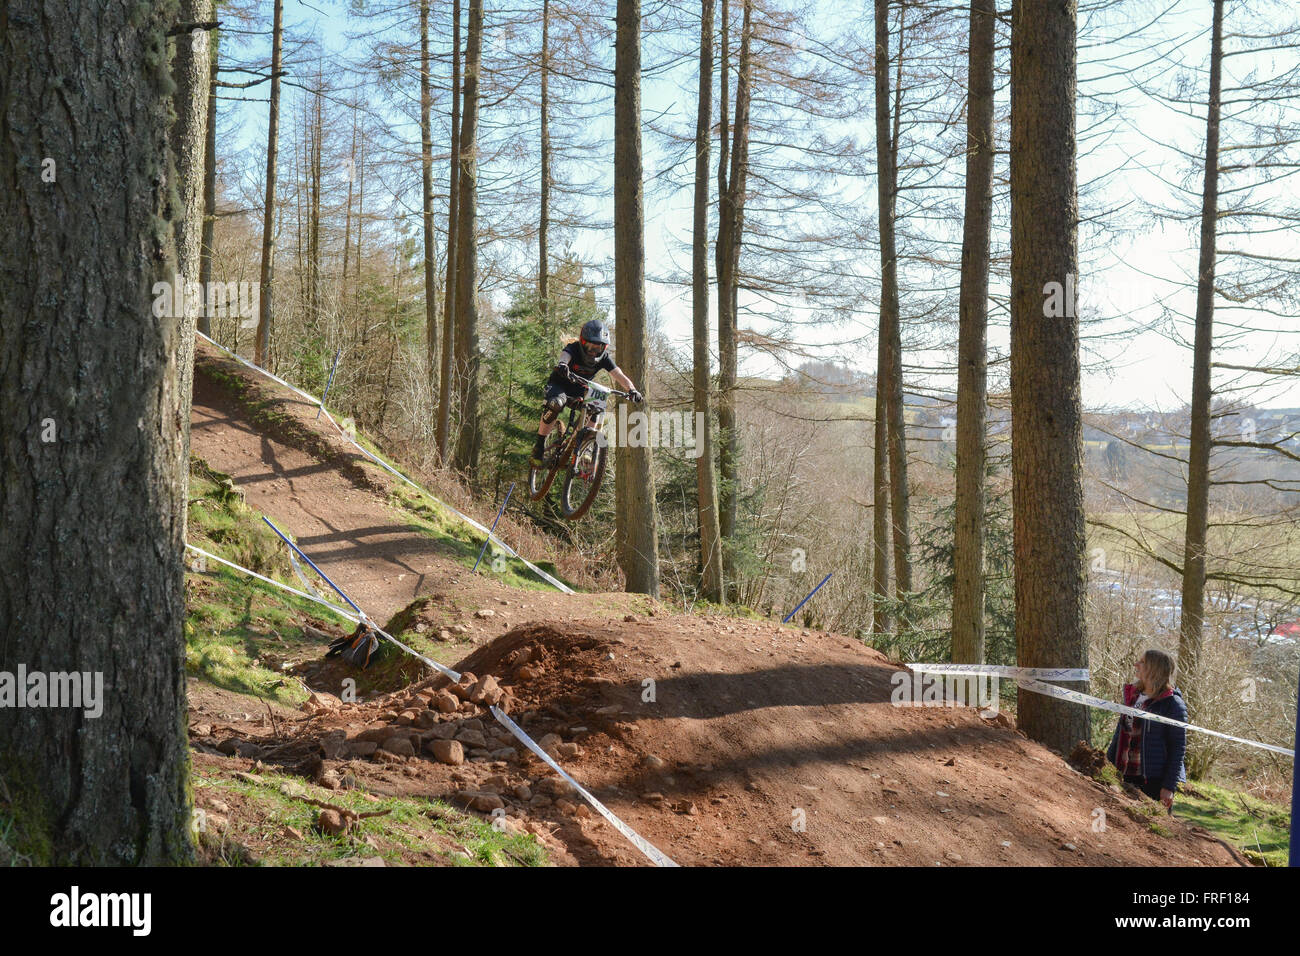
point(1145, 370)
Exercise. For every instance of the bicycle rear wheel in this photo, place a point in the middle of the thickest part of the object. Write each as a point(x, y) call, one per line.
point(582, 483)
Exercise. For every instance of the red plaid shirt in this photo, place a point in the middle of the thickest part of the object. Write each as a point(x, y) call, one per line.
point(1128, 755)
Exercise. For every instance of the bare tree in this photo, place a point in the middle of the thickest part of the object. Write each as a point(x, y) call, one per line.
point(733, 171)
point(711, 586)
point(634, 484)
point(449, 309)
point(1046, 408)
point(467, 354)
point(426, 201)
point(268, 214)
point(972, 358)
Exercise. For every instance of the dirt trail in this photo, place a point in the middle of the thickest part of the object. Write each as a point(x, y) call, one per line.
point(351, 532)
point(722, 741)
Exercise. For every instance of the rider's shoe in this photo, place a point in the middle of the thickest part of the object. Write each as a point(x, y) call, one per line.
point(539, 451)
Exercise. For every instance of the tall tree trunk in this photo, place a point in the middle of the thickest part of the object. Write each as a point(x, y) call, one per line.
point(634, 483)
point(1046, 410)
point(209, 181)
point(544, 216)
point(190, 72)
point(313, 207)
point(467, 354)
point(881, 619)
point(426, 201)
point(890, 338)
point(447, 371)
point(347, 218)
point(711, 588)
point(268, 213)
point(1198, 452)
point(93, 496)
point(972, 357)
point(361, 226)
point(732, 174)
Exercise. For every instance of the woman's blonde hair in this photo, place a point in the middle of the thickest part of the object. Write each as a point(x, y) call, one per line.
point(1160, 671)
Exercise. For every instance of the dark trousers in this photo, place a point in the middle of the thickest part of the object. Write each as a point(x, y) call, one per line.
point(1150, 787)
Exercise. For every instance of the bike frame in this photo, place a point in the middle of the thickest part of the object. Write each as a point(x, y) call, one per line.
point(590, 421)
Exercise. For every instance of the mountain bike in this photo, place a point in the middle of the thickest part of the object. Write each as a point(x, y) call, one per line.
point(580, 448)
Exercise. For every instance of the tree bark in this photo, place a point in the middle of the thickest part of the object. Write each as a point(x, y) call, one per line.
point(347, 218)
point(445, 389)
point(711, 587)
point(972, 345)
point(1192, 624)
point(634, 484)
point(209, 181)
point(190, 72)
point(426, 201)
point(467, 354)
point(314, 140)
point(1046, 441)
point(890, 339)
point(732, 176)
point(544, 215)
point(881, 619)
point(93, 493)
point(268, 215)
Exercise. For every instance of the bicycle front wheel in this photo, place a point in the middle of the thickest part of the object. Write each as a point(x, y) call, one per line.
point(582, 483)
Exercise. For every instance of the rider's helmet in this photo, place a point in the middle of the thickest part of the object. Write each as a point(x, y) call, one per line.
point(594, 338)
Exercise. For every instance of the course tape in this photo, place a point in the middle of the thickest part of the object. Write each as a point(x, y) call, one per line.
point(297, 569)
point(440, 668)
point(1060, 693)
point(1001, 670)
point(292, 590)
point(656, 856)
point(312, 399)
point(1050, 690)
point(642, 844)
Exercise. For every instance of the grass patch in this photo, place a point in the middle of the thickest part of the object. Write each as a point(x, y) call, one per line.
point(239, 630)
point(1261, 830)
point(414, 830)
point(457, 541)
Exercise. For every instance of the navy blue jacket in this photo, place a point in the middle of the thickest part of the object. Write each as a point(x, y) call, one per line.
point(1163, 746)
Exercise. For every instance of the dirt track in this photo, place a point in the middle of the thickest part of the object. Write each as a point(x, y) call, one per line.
point(762, 745)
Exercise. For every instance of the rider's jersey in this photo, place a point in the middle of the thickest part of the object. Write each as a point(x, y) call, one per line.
point(576, 358)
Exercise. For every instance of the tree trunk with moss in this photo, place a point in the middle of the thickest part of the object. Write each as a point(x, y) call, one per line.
point(91, 582)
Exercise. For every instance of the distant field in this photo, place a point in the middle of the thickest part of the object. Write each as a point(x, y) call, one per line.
point(1276, 547)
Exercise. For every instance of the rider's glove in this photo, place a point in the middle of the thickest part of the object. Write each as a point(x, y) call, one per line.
point(565, 371)
point(635, 397)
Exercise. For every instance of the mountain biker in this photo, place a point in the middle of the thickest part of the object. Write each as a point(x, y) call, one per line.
point(583, 358)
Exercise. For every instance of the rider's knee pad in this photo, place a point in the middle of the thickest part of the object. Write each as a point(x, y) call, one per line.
point(552, 408)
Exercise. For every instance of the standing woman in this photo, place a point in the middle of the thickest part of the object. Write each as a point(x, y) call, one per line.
point(1149, 754)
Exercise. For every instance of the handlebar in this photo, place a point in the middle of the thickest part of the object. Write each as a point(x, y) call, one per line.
point(601, 390)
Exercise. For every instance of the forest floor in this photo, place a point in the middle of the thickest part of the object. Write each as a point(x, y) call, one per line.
point(721, 740)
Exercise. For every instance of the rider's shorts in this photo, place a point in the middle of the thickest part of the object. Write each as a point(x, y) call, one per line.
point(556, 389)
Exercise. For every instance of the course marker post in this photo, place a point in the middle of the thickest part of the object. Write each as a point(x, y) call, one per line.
point(328, 384)
point(1294, 853)
point(483, 550)
point(786, 619)
point(314, 568)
